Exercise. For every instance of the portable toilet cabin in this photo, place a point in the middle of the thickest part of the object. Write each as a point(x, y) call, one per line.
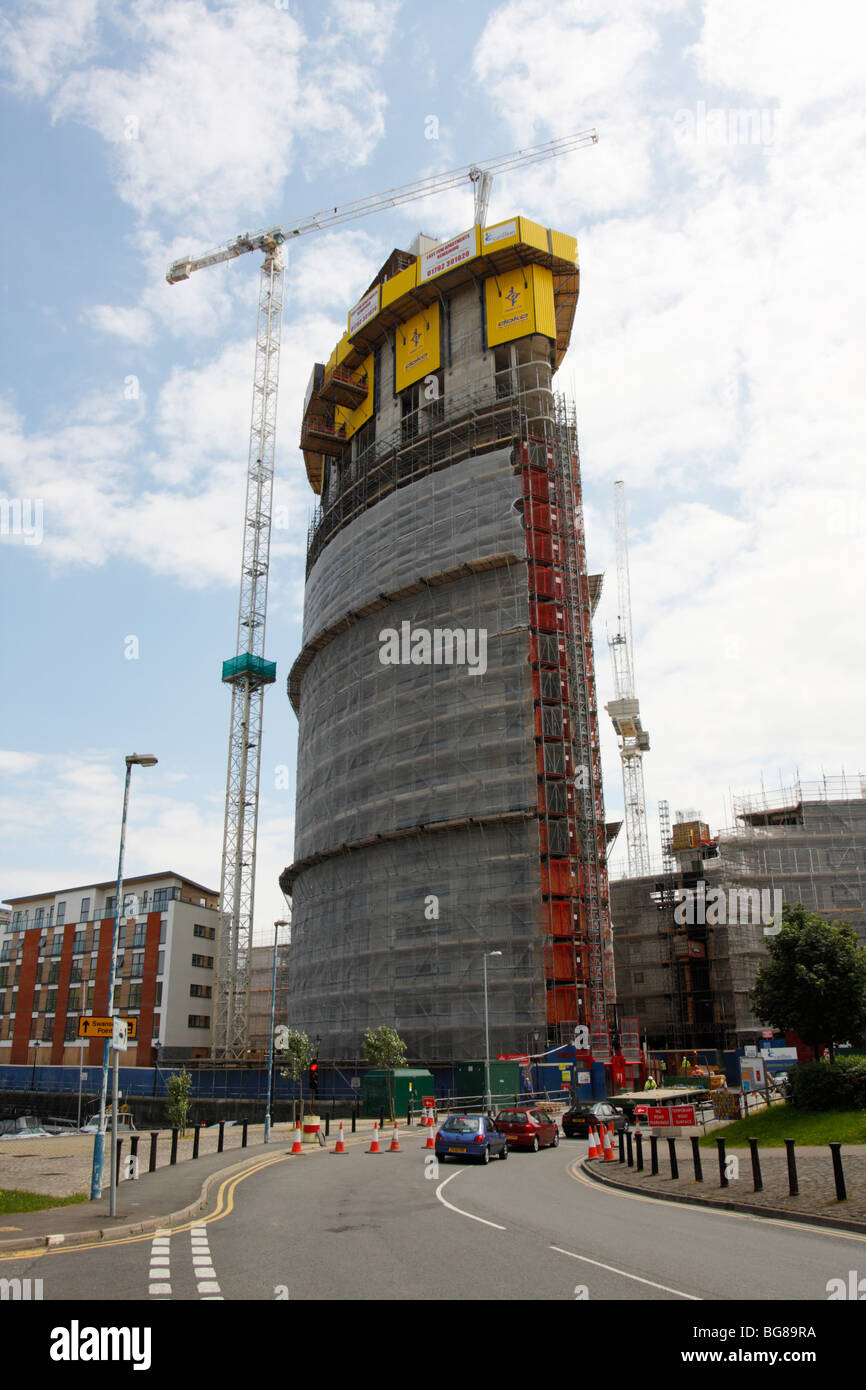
point(408, 1086)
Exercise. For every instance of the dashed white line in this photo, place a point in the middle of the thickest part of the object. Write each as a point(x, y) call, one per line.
point(159, 1279)
point(207, 1284)
point(612, 1269)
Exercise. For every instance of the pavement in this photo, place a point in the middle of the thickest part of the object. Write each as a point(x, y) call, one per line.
point(816, 1203)
point(171, 1193)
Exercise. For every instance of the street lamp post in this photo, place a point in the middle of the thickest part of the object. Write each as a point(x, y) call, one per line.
point(140, 760)
point(487, 1035)
point(281, 923)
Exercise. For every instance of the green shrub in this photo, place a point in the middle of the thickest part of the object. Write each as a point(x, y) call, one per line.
point(839, 1085)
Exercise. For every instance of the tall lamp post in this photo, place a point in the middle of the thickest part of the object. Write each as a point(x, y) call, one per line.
point(487, 1035)
point(132, 760)
point(282, 922)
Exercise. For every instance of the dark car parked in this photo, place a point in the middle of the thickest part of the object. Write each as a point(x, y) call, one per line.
point(576, 1121)
point(528, 1128)
point(469, 1136)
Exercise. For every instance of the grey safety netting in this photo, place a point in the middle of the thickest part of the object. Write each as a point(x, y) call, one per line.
point(364, 953)
point(445, 519)
point(388, 749)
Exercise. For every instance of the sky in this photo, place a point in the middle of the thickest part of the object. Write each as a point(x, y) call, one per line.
point(717, 365)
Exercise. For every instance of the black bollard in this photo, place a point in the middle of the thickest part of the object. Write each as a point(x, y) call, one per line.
point(381, 1119)
point(838, 1175)
point(173, 1156)
point(793, 1184)
point(638, 1148)
point(244, 1128)
point(628, 1149)
point(354, 1119)
point(696, 1156)
point(134, 1144)
point(117, 1163)
point(654, 1154)
point(672, 1151)
point(327, 1126)
point(222, 1135)
point(622, 1146)
point(757, 1180)
point(154, 1135)
point(196, 1135)
point(723, 1177)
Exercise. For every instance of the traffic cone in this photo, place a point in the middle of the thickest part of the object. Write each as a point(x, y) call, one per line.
point(374, 1147)
point(395, 1143)
point(431, 1142)
point(341, 1147)
point(296, 1146)
point(608, 1148)
point(594, 1150)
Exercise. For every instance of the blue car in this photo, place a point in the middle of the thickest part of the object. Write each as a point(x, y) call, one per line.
point(470, 1136)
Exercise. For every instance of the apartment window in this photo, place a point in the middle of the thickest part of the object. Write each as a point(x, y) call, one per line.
point(73, 1001)
point(61, 914)
point(39, 917)
point(70, 1032)
point(160, 963)
point(155, 1029)
point(160, 899)
point(157, 999)
point(208, 932)
point(4, 976)
point(137, 963)
point(47, 1029)
point(198, 1021)
point(201, 991)
point(204, 962)
point(75, 972)
point(53, 974)
point(84, 911)
point(140, 937)
point(57, 946)
point(5, 951)
point(79, 942)
point(50, 915)
point(134, 1000)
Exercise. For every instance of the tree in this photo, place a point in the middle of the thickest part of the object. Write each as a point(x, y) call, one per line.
point(383, 1047)
point(179, 1087)
point(297, 1057)
point(814, 982)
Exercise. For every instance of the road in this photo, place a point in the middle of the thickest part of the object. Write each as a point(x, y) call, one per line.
point(366, 1227)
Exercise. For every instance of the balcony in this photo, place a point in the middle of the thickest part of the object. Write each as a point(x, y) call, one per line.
point(321, 436)
point(343, 387)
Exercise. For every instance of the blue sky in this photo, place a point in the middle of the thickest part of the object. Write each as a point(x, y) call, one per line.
point(716, 361)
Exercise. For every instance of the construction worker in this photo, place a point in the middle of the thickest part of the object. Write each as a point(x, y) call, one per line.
point(649, 1084)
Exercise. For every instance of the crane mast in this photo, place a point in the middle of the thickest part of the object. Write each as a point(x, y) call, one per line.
point(248, 672)
point(625, 709)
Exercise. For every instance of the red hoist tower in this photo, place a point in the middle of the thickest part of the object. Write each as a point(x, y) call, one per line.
point(248, 672)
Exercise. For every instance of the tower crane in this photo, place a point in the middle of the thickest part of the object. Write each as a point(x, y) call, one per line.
point(248, 672)
point(625, 709)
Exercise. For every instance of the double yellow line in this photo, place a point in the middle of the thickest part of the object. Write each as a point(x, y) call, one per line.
point(224, 1206)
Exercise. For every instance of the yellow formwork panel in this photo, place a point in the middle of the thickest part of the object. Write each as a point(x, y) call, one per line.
point(545, 309)
point(400, 284)
point(533, 234)
point(501, 235)
point(342, 350)
point(354, 419)
point(417, 346)
point(565, 247)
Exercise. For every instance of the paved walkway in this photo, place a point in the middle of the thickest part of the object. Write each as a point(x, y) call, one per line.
point(816, 1199)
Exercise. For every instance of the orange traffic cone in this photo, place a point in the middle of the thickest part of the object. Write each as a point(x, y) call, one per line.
point(395, 1144)
point(431, 1142)
point(594, 1150)
point(296, 1146)
point(608, 1148)
point(374, 1147)
point(341, 1147)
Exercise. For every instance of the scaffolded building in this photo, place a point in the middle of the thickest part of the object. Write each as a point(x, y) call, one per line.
point(690, 979)
point(449, 799)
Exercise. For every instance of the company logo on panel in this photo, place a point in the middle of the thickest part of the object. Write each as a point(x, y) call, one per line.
point(418, 346)
point(512, 296)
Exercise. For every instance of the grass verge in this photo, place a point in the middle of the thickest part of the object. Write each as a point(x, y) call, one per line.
point(773, 1127)
point(15, 1200)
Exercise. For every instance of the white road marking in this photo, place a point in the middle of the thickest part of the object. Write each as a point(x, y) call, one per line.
point(207, 1284)
point(451, 1206)
point(625, 1274)
point(159, 1285)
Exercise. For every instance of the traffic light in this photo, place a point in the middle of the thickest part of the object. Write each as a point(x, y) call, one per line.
point(314, 1075)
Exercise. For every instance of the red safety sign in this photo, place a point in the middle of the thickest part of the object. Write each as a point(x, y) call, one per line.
point(658, 1114)
point(683, 1115)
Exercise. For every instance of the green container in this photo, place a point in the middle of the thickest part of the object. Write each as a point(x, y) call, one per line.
point(408, 1086)
point(504, 1080)
point(263, 672)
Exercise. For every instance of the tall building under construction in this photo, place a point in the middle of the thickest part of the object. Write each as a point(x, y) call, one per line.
point(449, 798)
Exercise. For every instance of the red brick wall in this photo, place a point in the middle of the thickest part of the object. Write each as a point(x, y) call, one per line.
point(26, 992)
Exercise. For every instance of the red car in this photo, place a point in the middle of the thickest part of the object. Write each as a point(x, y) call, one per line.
point(528, 1128)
